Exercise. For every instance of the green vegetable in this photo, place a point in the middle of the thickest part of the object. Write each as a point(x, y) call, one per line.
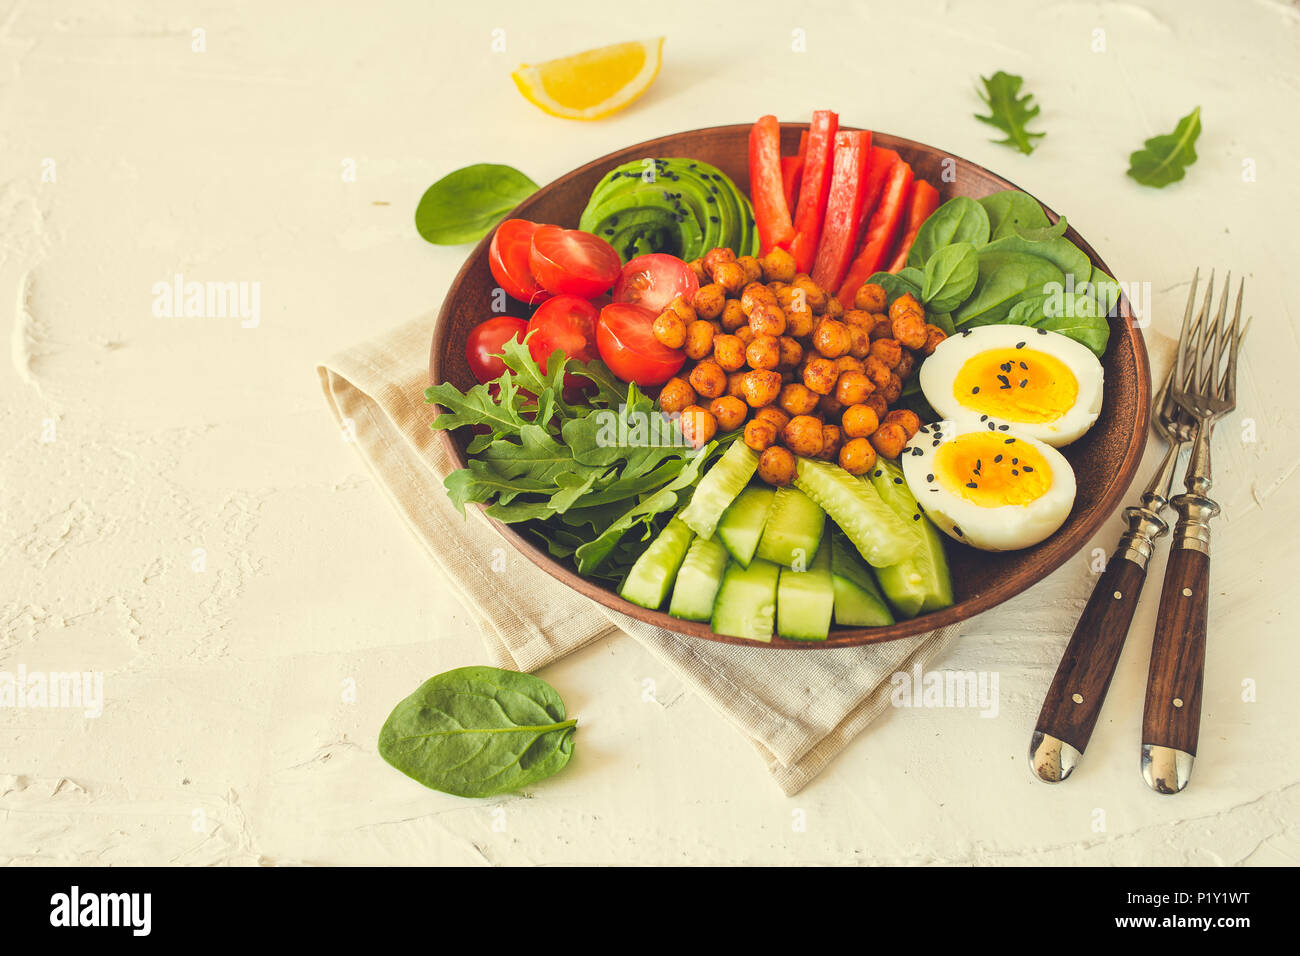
point(1005, 278)
point(1012, 212)
point(1074, 314)
point(464, 206)
point(950, 276)
point(1009, 111)
point(896, 284)
point(479, 731)
point(960, 219)
point(1062, 253)
point(1164, 159)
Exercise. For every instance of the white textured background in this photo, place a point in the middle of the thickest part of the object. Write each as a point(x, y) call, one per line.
point(224, 688)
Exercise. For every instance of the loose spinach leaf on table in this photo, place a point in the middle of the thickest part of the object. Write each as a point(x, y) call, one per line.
point(1164, 159)
point(464, 205)
point(1008, 110)
point(478, 732)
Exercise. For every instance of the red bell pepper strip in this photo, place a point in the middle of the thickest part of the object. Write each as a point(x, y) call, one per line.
point(881, 232)
point(843, 209)
point(924, 200)
point(771, 214)
point(792, 171)
point(878, 166)
point(813, 188)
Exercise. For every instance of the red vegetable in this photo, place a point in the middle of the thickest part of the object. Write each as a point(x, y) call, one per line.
point(627, 343)
point(572, 262)
point(813, 188)
point(843, 209)
point(485, 342)
point(655, 279)
point(878, 166)
point(567, 323)
point(881, 231)
point(771, 213)
point(508, 260)
point(792, 171)
point(923, 201)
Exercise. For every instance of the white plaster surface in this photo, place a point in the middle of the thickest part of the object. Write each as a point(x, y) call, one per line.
point(226, 737)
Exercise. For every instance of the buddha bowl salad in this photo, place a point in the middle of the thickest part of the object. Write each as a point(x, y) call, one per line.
point(774, 412)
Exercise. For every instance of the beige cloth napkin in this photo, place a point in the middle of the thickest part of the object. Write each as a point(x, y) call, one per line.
point(799, 708)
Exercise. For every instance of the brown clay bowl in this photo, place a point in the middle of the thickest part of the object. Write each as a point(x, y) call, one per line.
point(1104, 460)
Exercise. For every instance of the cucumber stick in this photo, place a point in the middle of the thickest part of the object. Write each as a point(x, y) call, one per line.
point(742, 525)
point(793, 531)
point(877, 531)
point(921, 582)
point(719, 487)
point(698, 580)
point(858, 601)
point(805, 599)
point(746, 605)
point(648, 581)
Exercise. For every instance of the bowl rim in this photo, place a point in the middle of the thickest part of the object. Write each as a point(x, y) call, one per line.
point(1048, 559)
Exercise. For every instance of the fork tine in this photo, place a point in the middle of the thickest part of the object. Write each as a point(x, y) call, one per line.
point(1197, 343)
point(1216, 342)
point(1230, 376)
point(1184, 337)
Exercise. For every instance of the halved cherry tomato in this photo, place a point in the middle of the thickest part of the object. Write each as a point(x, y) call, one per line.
point(573, 262)
point(654, 280)
point(508, 260)
point(483, 347)
point(625, 337)
point(568, 323)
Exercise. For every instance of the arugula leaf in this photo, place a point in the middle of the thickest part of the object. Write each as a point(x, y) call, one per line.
point(1164, 159)
point(1009, 111)
point(502, 413)
point(464, 205)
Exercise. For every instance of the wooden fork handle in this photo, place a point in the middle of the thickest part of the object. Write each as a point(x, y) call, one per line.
point(1074, 700)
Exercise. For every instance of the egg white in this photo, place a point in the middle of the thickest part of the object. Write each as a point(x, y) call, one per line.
point(1002, 528)
point(939, 371)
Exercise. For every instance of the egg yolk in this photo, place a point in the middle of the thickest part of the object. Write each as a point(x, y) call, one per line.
point(991, 470)
point(1016, 384)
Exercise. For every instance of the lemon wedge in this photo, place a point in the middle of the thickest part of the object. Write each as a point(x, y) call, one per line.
point(592, 84)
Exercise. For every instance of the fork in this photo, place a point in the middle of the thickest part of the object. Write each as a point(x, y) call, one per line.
point(1078, 690)
point(1205, 388)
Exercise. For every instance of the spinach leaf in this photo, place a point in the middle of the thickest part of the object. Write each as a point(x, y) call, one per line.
point(950, 277)
point(1054, 231)
point(464, 205)
point(896, 284)
point(1073, 314)
point(1062, 253)
point(960, 219)
point(1005, 278)
point(479, 731)
point(1009, 111)
point(1011, 211)
point(1164, 159)
point(1106, 291)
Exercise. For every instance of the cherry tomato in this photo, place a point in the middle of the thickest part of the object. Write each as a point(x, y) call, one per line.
point(483, 347)
point(572, 262)
point(568, 323)
point(508, 260)
point(625, 337)
point(654, 280)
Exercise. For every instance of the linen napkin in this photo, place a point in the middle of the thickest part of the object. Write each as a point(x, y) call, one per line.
point(799, 708)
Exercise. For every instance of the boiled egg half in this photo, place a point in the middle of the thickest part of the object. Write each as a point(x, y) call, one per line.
point(1043, 384)
point(988, 486)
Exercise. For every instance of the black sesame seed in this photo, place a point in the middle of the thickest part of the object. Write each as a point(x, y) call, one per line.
point(1042, 331)
point(917, 451)
point(916, 517)
point(1029, 467)
point(958, 531)
point(879, 472)
point(936, 443)
point(1015, 461)
point(984, 418)
point(898, 481)
point(1004, 428)
point(971, 484)
point(929, 477)
point(1015, 471)
point(609, 232)
point(1020, 345)
point(925, 429)
point(1024, 382)
point(1009, 441)
point(975, 390)
point(965, 332)
point(1002, 378)
point(710, 199)
point(714, 219)
point(992, 425)
point(1024, 366)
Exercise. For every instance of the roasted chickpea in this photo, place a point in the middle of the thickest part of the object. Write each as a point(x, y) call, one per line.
point(803, 435)
point(829, 407)
point(729, 412)
point(709, 300)
point(906, 364)
point(699, 339)
point(759, 435)
point(736, 385)
point(892, 389)
point(905, 304)
point(859, 421)
point(778, 265)
point(859, 341)
point(797, 399)
point(773, 416)
point(910, 421)
point(753, 294)
point(745, 334)
point(684, 309)
point(933, 336)
point(776, 466)
point(733, 316)
point(832, 439)
point(852, 388)
point(766, 319)
point(729, 275)
point(871, 298)
point(753, 271)
point(708, 379)
point(669, 329)
point(819, 374)
point(883, 329)
point(791, 351)
point(909, 329)
point(799, 322)
point(831, 338)
point(715, 257)
point(888, 351)
point(729, 352)
point(857, 456)
point(876, 401)
point(762, 386)
point(697, 266)
point(888, 441)
point(763, 352)
point(859, 317)
point(698, 425)
point(815, 294)
point(788, 297)
point(833, 308)
point(788, 375)
point(877, 371)
point(675, 395)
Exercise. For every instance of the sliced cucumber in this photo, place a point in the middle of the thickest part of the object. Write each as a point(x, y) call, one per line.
point(793, 531)
point(858, 601)
point(719, 488)
point(648, 581)
point(806, 599)
point(879, 534)
point(746, 605)
point(920, 582)
point(742, 525)
point(698, 580)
